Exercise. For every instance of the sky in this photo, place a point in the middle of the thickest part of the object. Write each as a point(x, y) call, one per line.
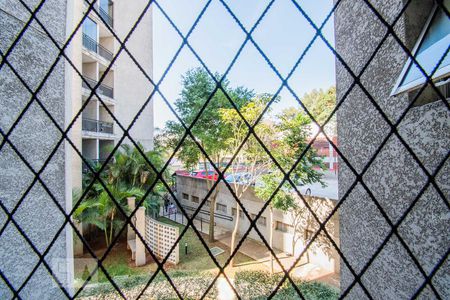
point(283, 35)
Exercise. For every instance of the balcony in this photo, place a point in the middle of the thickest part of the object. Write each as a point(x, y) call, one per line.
point(97, 126)
point(105, 15)
point(102, 89)
point(93, 46)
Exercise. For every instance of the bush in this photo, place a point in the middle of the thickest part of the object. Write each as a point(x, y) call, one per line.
point(190, 284)
point(259, 285)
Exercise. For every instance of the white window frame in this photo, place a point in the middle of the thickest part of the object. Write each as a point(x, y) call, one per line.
point(440, 73)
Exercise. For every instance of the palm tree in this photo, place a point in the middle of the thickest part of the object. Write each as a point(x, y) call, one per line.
point(131, 168)
point(127, 175)
point(102, 211)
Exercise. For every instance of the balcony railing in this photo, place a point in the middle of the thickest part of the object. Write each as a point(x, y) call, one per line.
point(90, 44)
point(105, 15)
point(103, 89)
point(97, 126)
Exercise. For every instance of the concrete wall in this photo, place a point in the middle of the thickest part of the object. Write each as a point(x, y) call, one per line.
point(35, 137)
point(394, 177)
point(321, 252)
point(131, 88)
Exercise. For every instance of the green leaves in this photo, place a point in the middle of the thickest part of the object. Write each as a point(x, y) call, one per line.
point(210, 130)
point(127, 175)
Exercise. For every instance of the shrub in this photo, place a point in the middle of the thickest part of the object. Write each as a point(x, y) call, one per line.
point(247, 289)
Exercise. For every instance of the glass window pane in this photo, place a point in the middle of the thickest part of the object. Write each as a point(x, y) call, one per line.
point(90, 28)
point(433, 46)
point(104, 4)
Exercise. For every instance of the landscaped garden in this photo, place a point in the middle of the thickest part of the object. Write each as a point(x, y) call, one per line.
point(129, 174)
point(196, 263)
point(193, 286)
point(192, 275)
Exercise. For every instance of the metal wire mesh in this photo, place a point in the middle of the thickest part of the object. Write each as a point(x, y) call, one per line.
point(93, 87)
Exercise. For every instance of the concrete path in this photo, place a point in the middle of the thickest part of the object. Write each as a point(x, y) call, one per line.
point(259, 252)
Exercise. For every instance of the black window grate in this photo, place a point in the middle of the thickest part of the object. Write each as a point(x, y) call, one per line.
point(427, 277)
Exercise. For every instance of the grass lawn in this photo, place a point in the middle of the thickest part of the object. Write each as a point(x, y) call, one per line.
point(119, 263)
point(198, 258)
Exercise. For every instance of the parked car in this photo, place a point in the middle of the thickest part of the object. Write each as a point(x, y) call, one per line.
point(241, 178)
point(202, 174)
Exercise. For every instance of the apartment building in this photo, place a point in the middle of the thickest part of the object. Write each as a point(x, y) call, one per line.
point(123, 87)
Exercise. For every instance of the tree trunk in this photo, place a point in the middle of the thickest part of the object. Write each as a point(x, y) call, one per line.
point(106, 233)
point(233, 235)
point(293, 244)
point(271, 239)
point(209, 184)
point(112, 228)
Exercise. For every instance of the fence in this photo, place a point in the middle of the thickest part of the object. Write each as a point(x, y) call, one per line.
point(160, 238)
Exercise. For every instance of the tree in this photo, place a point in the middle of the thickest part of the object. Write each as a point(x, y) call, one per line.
point(129, 168)
point(282, 200)
point(209, 131)
point(252, 161)
point(127, 175)
point(320, 103)
point(101, 210)
point(293, 128)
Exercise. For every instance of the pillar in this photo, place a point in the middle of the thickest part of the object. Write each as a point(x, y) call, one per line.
point(131, 235)
point(140, 226)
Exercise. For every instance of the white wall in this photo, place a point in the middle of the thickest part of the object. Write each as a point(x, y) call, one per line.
point(320, 252)
point(131, 88)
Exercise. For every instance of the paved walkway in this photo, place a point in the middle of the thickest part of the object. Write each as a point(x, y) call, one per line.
point(259, 252)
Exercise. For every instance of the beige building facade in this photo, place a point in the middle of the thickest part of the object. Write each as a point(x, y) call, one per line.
point(124, 89)
point(287, 225)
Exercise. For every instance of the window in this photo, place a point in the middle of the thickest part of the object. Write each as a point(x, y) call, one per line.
point(261, 221)
point(283, 227)
point(233, 213)
point(185, 196)
point(221, 208)
point(195, 199)
point(105, 5)
point(90, 29)
point(429, 49)
point(207, 203)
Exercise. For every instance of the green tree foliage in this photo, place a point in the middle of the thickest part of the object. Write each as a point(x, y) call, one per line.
point(293, 130)
point(101, 210)
point(209, 131)
point(127, 175)
point(320, 103)
point(252, 161)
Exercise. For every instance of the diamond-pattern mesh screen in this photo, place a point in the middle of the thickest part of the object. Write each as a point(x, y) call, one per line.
point(38, 171)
